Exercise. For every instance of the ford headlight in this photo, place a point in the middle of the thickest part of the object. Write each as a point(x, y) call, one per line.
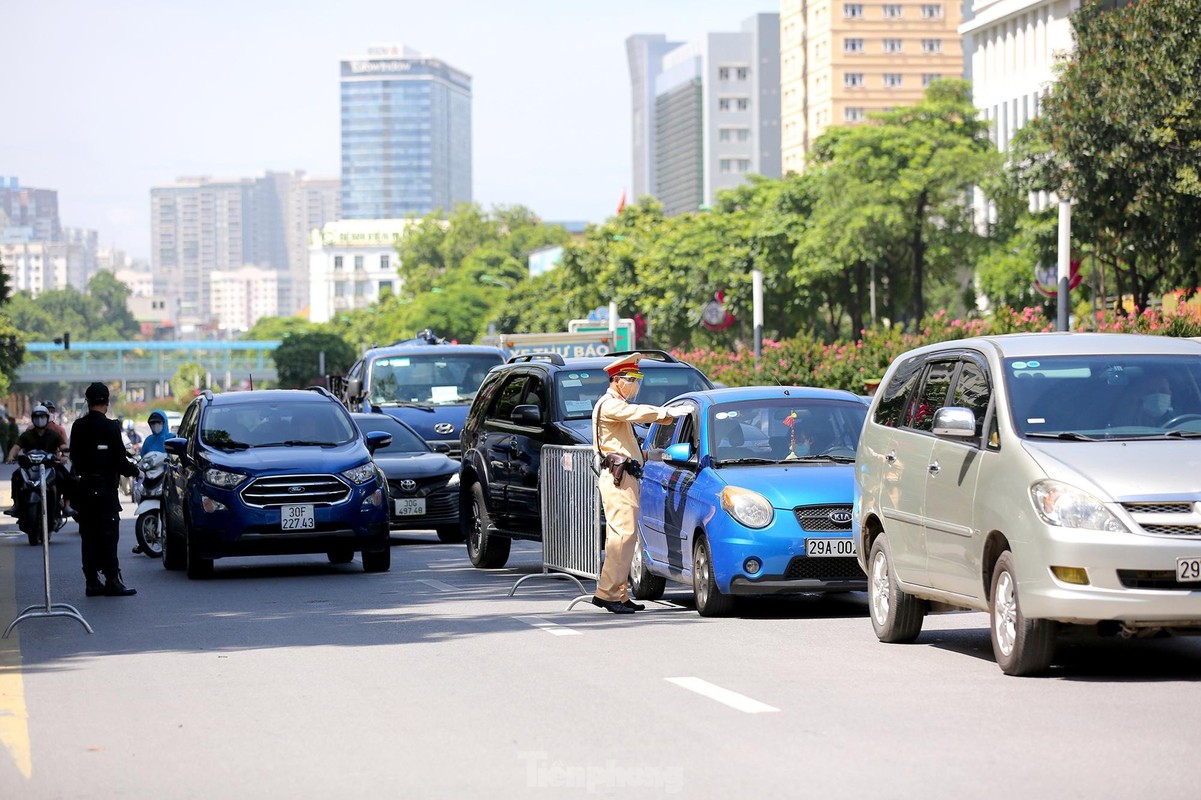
point(222, 479)
point(453, 482)
point(750, 508)
point(1068, 507)
point(360, 474)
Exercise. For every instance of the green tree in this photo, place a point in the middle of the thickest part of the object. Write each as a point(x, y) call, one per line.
point(298, 357)
point(1120, 134)
point(269, 329)
point(107, 308)
point(190, 377)
point(457, 274)
point(895, 194)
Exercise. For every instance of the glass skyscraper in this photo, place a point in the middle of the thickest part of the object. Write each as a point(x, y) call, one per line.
point(406, 135)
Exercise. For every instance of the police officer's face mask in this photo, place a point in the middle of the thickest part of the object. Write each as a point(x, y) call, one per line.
point(41, 421)
point(156, 427)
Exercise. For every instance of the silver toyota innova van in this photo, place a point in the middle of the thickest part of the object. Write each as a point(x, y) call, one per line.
point(1046, 478)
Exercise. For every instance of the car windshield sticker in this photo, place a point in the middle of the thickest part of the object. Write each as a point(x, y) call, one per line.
point(653, 379)
point(1035, 420)
point(392, 362)
point(573, 381)
point(574, 376)
point(725, 414)
point(575, 406)
point(1019, 365)
point(444, 394)
point(1032, 364)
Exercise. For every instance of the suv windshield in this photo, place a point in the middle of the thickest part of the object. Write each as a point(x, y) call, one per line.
point(779, 429)
point(1105, 396)
point(276, 424)
point(579, 391)
point(437, 379)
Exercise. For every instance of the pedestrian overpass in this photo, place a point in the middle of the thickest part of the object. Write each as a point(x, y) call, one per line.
point(146, 363)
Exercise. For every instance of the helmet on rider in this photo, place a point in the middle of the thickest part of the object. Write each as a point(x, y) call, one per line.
point(40, 417)
point(129, 424)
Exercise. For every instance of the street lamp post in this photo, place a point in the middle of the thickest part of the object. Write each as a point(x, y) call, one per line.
point(1065, 261)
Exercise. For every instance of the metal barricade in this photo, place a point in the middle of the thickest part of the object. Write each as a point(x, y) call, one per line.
point(571, 517)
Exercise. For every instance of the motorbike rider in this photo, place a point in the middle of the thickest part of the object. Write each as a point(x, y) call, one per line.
point(38, 436)
point(54, 423)
point(158, 433)
point(135, 438)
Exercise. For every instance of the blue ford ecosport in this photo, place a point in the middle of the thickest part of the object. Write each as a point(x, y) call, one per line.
point(273, 473)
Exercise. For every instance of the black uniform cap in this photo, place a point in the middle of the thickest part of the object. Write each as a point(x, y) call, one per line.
point(96, 394)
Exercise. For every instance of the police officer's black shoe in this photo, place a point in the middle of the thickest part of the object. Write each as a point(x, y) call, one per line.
point(94, 587)
point(11, 511)
point(113, 587)
point(630, 604)
point(610, 605)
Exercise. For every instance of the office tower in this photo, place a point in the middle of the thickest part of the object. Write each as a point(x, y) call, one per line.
point(28, 214)
point(406, 135)
point(841, 61)
point(202, 225)
point(707, 113)
point(645, 53)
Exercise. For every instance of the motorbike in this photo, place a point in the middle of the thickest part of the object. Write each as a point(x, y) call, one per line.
point(37, 466)
point(148, 495)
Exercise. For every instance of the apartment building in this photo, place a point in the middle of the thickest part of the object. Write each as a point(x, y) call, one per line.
point(841, 61)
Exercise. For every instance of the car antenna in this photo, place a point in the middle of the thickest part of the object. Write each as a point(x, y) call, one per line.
point(251, 382)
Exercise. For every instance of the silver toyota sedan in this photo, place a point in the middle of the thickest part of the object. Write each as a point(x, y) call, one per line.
point(1050, 479)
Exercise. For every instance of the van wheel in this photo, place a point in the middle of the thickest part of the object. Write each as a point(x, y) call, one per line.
point(897, 616)
point(449, 534)
point(710, 602)
point(1022, 646)
point(484, 550)
point(644, 585)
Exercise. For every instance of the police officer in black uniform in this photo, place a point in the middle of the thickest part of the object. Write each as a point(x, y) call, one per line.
point(97, 460)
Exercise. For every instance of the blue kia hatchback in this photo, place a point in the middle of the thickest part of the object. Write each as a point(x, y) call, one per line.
point(751, 494)
point(273, 472)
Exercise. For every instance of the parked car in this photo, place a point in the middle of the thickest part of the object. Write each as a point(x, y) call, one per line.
point(270, 473)
point(1048, 479)
point(750, 494)
point(423, 484)
point(531, 401)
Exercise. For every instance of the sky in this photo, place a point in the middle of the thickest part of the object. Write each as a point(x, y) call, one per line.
point(103, 100)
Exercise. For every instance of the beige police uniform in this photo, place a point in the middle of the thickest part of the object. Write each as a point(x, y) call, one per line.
point(614, 433)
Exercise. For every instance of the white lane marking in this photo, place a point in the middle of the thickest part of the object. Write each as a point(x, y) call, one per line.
point(439, 585)
point(731, 699)
point(549, 627)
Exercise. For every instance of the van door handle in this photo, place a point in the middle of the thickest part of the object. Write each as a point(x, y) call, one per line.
point(891, 458)
point(933, 468)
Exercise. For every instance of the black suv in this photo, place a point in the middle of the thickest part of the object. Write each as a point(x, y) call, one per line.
point(530, 401)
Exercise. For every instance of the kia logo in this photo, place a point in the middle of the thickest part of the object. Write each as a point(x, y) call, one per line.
point(444, 428)
point(408, 485)
point(840, 517)
point(295, 489)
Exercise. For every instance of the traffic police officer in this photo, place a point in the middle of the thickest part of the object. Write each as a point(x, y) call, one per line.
point(613, 420)
point(97, 459)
